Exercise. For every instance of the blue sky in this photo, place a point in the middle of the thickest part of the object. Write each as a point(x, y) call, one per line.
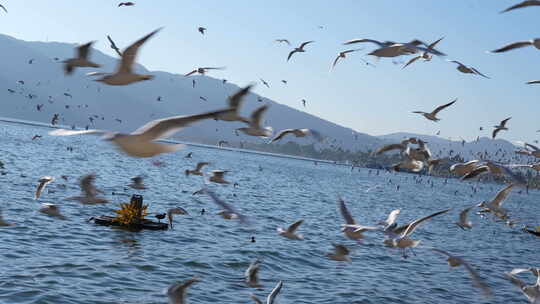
point(376, 101)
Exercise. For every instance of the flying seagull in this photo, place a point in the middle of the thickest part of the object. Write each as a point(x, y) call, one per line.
point(218, 177)
point(81, 60)
point(265, 83)
point(343, 55)
point(141, 142)
point(533, 82)
point(137, 182)
point(203, 71)
point(283, 41)
point(290, 232)
point(251, 274)
point(113, 46)
point(177, 210)
point(464, 222)
point(519, 44)
point(297, 133)
point(272, 296)
point(425, 55)
point(234, 103)
point(177, 292)
point(124, 71)
point(227, 208)
point(467, 70)
point(341, 254)
point(522, 5)
point(255, 128)
point(202, 30)
point(126, 4)
point(299, 49)
point(500, 127)
point(351, 229)
point(433, 115)
point(532, 292)
point(455, 261)
point(89, 192)
point(41, 186)
point(197, 170)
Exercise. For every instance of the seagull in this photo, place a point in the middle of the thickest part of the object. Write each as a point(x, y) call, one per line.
point(399, 49)
point(2, 7)
point(265, 83)
point(234, 103)
point(425, 55)
point(283, 41)
point(501, 126)
point(197, 170)
point(467, 70)
point(401, 146)
point(433, 115)
point(522, 5)
point(495, 169)
point(351, 229)
point(391, 219)
point(251, 274)
point(51, 210)
point(455, 261)
point(272, 296)
point(177, 292)
point(532, 292)
point(137, 183)
point(519, 44)
point(2, 222)
point(228, 210)
point(124, 74)
point(341, 253)
point(290, 233)
point(255, 128)
point(177, 210)
point(203, 71)
point(464, 168)
point(217, 177)
point(126, 4)
point(408, 162)
point(464, 222)
point(140, 143)
point(297, 133)
point(343, 55)
point(81, 60)
point(113, 46)
point(403, 241)
point(201, 30)
point(494, 206)
point(299, 49)
point(41, 186)
point(89, 192)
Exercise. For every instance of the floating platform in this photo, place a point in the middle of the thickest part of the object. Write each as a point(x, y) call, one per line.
point(144, 224)
point(537, 233)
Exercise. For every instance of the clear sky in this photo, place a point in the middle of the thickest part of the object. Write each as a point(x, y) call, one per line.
point(376, 101)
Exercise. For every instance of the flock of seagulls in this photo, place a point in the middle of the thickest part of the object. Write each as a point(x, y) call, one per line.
point(144, 142)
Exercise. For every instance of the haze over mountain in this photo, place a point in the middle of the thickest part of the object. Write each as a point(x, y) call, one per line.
point(45, 84)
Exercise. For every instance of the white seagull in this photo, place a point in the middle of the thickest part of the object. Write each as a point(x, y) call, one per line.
point(433, 115)
point(297, 133)
point(255, 128)
point(177, 292)
point(299, 49)
point(141, 142)
point(466, 69)
point(41, 186)
point(351, 229)
point(532, 292)
point(51, 210)
point(83, 51)
point(341, 254)
point(290, 233)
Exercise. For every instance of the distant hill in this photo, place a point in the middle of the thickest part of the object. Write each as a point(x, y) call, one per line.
point(136, 104)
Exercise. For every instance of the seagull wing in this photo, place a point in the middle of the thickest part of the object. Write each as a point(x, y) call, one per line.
point(413, 225)
point(411, 61)
point(497, 130)
point(477, 280)
point(392, 217)
point(535, 148)
point(474, 173)
point(167, 126)
point(84, 49)
point(440, 108)
point(113, 46)
point(349, 220)
point(463, 214)
point(389, 148)
point(305, 43)
point(281, 135)
point(129, 54)
point(533, 82)
point(335, 61)
point(340, 249)
point(292, 228)
point(200, 165)
point(224, 205)
point(478, 73)
point(236, 100)
point(177, 292)
point(502, 195)
point(503, 123)
point(521, 5)
point(5, 10)
point(512, 46)
point(364, 40)
point(290, 54)
point(432, 45)
point(256, 116)
point(274, 293)
point(64, 132)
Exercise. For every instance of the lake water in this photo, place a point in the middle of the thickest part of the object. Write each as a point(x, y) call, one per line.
point(46, 260)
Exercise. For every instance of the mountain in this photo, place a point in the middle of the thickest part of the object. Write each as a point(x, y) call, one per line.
point(125, 108)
